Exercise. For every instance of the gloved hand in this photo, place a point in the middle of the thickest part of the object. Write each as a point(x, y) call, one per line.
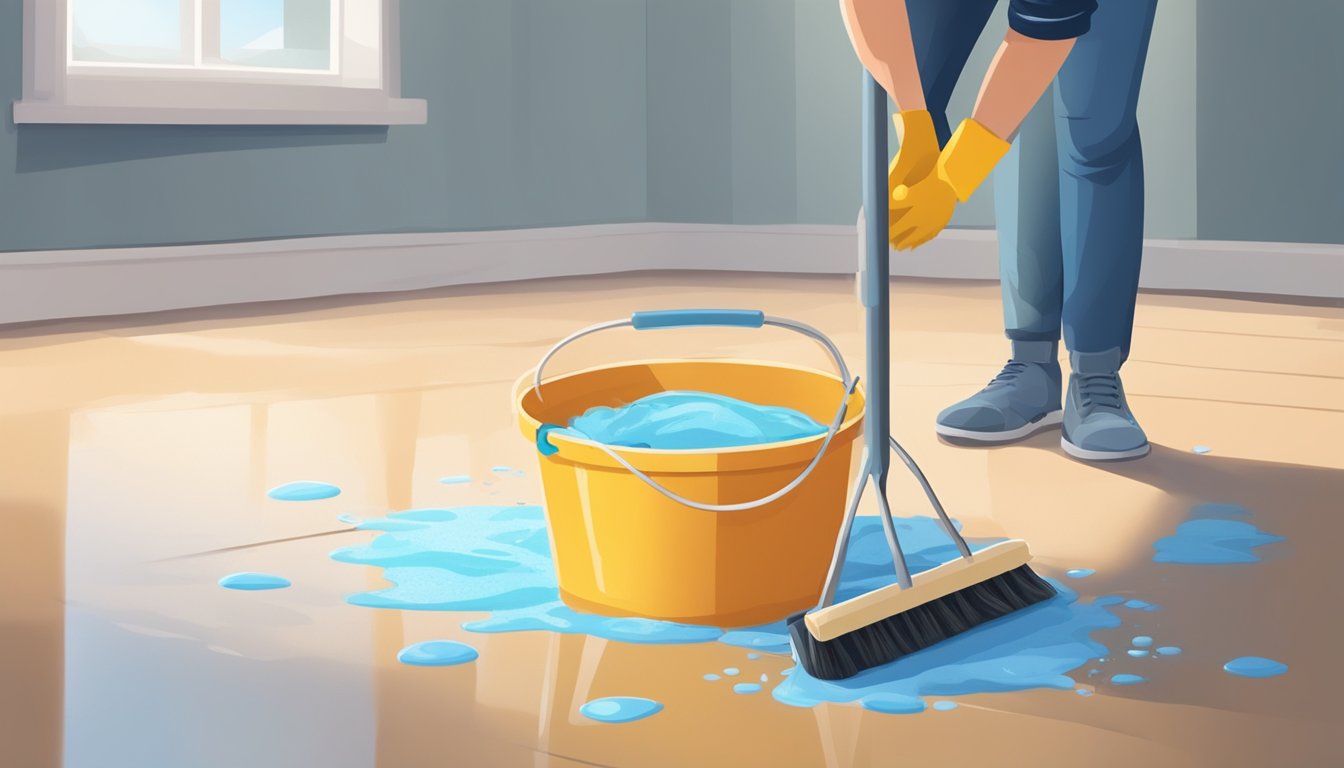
point(919, 148)
point(921, 210)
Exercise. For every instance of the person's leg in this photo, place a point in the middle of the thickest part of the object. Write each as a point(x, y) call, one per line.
point(1101, 208)
point(1025, 397)
point(944, 32)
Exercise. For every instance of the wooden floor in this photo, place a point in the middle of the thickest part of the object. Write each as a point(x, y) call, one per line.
point(136, 454)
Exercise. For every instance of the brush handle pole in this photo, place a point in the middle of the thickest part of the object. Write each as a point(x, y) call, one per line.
point(876, 287)
point(876, 290)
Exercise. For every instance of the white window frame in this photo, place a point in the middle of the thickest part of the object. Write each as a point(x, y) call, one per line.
point(57, 89)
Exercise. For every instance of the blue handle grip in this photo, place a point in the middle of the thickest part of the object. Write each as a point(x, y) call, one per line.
point(690, 318)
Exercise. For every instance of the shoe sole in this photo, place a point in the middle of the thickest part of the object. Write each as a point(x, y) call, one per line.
point(1079, 452)
point(1050, 419)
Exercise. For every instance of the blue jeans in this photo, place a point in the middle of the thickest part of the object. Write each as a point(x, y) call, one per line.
point(1069, 196)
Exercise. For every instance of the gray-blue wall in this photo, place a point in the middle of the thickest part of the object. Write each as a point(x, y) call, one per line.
point(537, 117)
point(555, 112)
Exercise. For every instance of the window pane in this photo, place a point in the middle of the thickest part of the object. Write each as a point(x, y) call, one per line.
point(136, 31)
point(291, 34)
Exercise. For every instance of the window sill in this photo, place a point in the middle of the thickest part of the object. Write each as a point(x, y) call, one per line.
point(389, 112)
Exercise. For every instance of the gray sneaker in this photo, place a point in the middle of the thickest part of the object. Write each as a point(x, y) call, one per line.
point(1022, 400)
point(1098, 425)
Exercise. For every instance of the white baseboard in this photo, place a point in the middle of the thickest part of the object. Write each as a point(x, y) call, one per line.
point(44, 285)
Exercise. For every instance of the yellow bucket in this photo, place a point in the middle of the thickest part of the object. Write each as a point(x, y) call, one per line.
point(623, 548)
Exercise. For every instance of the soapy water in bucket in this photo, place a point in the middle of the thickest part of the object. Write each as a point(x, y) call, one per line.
point(681, 420)
point(497, 560)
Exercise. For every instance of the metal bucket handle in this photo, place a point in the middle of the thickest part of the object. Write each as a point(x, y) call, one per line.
point(700, 318)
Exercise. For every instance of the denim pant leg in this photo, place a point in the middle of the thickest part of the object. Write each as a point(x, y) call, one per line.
point(944, 32)
point(1101, 176)
point(1026, 210)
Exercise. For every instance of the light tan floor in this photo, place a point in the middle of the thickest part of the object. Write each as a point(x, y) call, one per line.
point(135, 460)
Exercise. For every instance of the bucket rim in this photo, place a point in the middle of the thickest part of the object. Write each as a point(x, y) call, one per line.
point(529, 423)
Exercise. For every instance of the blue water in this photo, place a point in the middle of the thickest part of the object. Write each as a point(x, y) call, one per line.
point(437, 653)
point(497, 560)
point(1255, 666)
point(893, 704)
point(1142, 641)
point(753, 656)
point(692, 420)
point(1168, 650)
point(1137, 653)
point(1209, 541)
point(1201, 449)
point(1128, 679)
point(253, 581)
point(620, 709)
point(304, 490)
point(1033, 648)
point(771, 638)
point(732, 671)
point(747, 688)
point(1079, 573)
point(712, 677)
point(455, 479)
point(348, 519)
point(944, 706)
point(501, 469)
point(1083, 692)
point(1142, 605)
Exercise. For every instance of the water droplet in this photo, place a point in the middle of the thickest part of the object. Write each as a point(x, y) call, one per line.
point(712, 677)
point(1128, 679)
point(746, 688)
point(252, 582)
point(437, 653)
point(944, 706)
point(620, 709)
point(1169, 650)
point(1142, 641)
point(732, 671)
point(1201, 449)
point(1079, 573)
point(303, 490)
point(455, 479)
point(1255, 666)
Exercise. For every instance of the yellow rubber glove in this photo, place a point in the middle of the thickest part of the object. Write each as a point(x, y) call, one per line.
point(919, 148)
point(921, 210)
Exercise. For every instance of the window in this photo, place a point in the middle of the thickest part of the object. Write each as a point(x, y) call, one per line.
point(213, 61)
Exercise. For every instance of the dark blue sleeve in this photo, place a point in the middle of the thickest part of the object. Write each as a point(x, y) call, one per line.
point(1051, 19)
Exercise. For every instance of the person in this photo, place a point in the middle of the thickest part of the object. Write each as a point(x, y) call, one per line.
point(1069, 200)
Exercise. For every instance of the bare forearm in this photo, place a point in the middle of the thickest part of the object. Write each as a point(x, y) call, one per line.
point(1019, 74)
point(880, 32)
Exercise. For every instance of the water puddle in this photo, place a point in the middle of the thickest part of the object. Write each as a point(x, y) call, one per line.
point(455, 479)
point(496, 560)
point(1210, 540)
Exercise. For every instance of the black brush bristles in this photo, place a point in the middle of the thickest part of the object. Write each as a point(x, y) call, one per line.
point(920, 627)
